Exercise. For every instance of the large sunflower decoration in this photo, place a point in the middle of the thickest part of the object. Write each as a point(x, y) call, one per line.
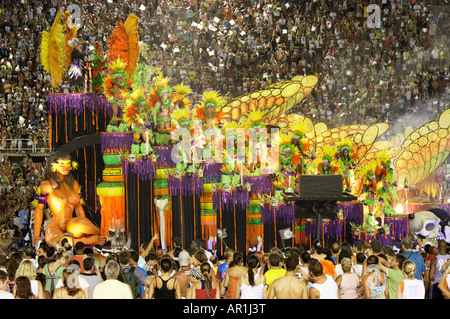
point(209, 108)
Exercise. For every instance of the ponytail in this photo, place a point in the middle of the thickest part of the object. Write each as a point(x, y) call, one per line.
point(205, 269)
point(252, 263)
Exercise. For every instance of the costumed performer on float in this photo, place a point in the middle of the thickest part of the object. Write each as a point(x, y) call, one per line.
point(63, 195)
point(326, 163)
point(301, 142)
point(347, 156)
point(289, 158)
point(116, 86)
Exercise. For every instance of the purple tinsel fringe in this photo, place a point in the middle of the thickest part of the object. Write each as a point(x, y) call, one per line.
point(58, 104)
point(284, 213)
point(115, 141)
point(145, 169)
point(212, 172)
point(260, 184)
point(353, 212)
point(124, 167)
point(164, 156)
point(187, 186)
point(333, 228)
point(241, 199)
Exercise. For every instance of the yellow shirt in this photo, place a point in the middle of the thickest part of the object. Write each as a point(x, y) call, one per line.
point(273, 274)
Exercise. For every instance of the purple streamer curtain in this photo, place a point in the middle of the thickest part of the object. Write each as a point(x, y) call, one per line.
point(75, 103)
point(284, 213)
point(116, 141)
point(164, 156)
point(187, 185)
point(260, 185)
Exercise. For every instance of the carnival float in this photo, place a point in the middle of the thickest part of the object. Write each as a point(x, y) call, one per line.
point(162, 160)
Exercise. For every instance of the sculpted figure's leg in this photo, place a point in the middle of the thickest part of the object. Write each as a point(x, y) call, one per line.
point(80, 226)
point(53, 235)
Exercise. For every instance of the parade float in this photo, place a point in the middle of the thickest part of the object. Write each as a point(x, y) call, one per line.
point(161, 160)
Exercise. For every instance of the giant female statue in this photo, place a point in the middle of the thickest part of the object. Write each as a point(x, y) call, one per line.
point(62, 194)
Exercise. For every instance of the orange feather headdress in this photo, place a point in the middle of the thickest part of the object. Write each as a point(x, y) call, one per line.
point(124, 43)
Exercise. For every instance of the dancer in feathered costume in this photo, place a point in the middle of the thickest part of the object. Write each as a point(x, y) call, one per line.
point(289, 158)
point(254, 126)
point(53, 57)
point(386, 182)
point(181, 134)
point(302, 144)
point(137, 115)
point(326, 162)
point(209, 109)
point(347, 157)
point(124, 43)
point(116, 85)
point(162, 97)
point(234, 150)
point(144, 75)
point(71, 33)
point(369, 192)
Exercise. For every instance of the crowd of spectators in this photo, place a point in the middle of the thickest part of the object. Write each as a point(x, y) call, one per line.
point(368, 72)
point(17, 190)
point(366, 270)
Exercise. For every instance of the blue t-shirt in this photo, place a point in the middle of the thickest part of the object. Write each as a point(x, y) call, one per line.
point(417, 259)
point(23, 214)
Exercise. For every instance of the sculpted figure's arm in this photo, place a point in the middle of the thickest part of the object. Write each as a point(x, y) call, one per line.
point(44, 189)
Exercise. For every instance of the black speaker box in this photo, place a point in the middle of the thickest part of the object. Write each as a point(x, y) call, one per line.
point(320, 186)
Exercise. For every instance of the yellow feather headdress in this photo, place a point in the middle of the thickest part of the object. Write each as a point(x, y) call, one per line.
point(253, 119)
point(180, 116)
point(53, 57)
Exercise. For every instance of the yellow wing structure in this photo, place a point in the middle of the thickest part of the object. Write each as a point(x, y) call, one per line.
point(53, 56)
point(274, 100)
point(424, 150)
point(363, 136)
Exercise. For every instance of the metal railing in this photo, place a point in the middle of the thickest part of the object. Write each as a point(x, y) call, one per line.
point(24, 146)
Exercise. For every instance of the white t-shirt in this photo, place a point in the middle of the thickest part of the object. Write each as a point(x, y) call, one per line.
point(6, 295)
point(328, 290)
point(413, 289)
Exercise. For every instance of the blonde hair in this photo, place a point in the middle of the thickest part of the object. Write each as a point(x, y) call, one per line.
point(346, 264)
point(26, 269)
point(409, 268)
